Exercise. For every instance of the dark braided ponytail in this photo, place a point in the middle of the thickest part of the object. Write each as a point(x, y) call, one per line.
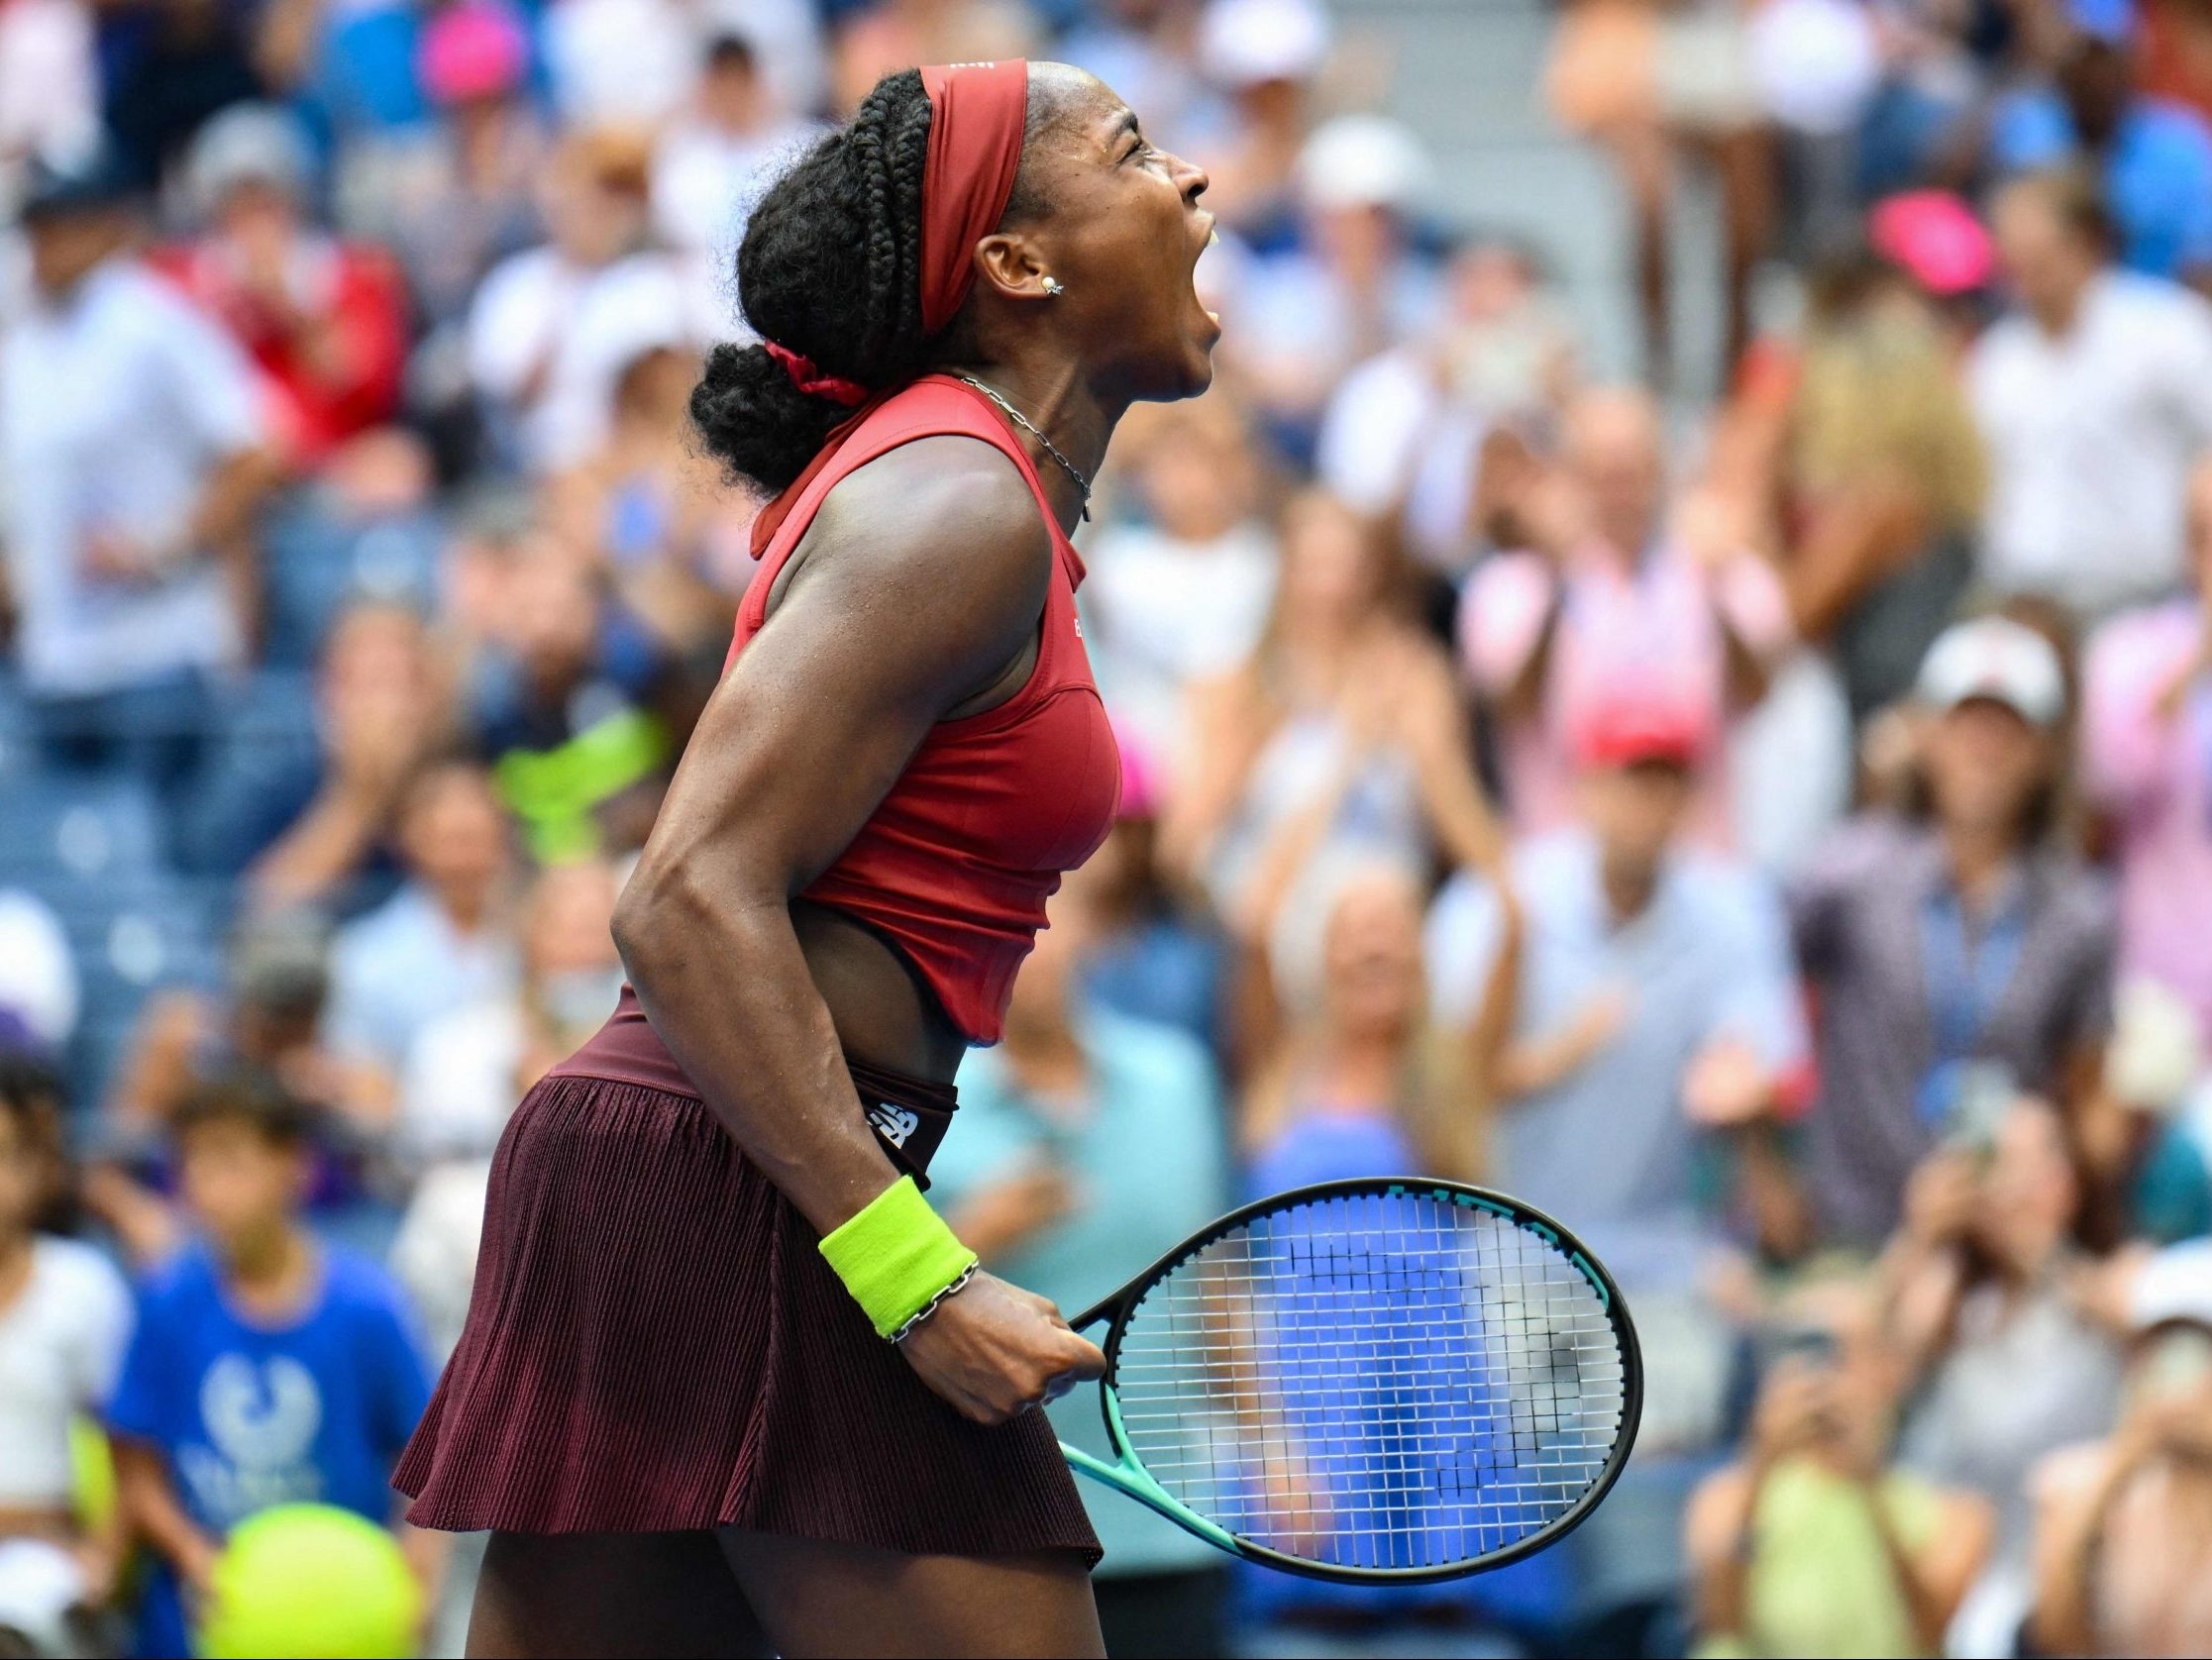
point(831, 267)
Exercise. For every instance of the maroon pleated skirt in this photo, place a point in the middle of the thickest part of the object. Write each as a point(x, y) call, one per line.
point(655, 1343)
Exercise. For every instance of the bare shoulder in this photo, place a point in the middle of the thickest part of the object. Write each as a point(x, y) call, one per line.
point(946, 513)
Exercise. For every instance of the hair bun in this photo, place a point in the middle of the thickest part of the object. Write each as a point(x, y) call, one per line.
point(756, 421)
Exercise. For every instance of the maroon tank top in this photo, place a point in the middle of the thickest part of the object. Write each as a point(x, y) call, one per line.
point(956, 862)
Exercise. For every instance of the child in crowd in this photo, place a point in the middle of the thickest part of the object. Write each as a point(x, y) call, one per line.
point(267, 1368)
point(65, 1317)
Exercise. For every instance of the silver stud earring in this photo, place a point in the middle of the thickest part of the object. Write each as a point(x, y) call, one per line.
point(1053, 288)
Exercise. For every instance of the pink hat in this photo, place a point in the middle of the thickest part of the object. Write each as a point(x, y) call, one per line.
point(1635, 715)
point(1935, 238)
point(474, 49)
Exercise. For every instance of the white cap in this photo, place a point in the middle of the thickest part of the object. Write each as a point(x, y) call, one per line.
point(2174, 1285)
point(262, 144)
point(38, 974)
point(1998, 659)
point(1363, 161)
point(1243, 43)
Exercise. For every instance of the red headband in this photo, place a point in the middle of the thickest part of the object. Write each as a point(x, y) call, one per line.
point(977, 114)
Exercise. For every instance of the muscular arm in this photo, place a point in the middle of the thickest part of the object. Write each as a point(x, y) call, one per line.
point(921, 586)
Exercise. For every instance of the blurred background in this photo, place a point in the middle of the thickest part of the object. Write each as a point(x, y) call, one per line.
point(1672, 675)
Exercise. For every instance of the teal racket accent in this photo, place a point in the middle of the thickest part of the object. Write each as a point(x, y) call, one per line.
point(1398, 1380)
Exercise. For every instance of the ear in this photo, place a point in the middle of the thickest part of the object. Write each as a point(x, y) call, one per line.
point(1013, 265)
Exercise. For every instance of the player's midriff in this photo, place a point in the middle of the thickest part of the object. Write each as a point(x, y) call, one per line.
point(956, 862)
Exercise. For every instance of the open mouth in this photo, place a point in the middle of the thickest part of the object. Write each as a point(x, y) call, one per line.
point(1212, 242)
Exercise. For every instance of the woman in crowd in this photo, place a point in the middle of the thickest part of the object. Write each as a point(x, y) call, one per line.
point(1347, 713)
point(2003, 1362)
point(1960, 954)
point(1814, 1541)
point(1357, 1082)
point(1864, 453)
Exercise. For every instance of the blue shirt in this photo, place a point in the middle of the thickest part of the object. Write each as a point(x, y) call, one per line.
point(249, 1417)
point(1151, 1167)
point(2157, 173)
point(1610, 1147)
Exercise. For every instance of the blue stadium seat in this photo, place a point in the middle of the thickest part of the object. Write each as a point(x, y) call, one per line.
point(90, 848)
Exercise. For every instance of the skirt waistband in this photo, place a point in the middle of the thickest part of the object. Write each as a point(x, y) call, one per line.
point(909, 1115)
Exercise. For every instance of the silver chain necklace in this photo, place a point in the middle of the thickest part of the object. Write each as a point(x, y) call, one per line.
point(1030, 427)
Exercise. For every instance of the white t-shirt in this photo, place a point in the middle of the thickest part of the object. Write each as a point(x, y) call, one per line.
point(2092, 436)
point(1169, 611)
point(116, 403)
point(61, 1342)
point(586, 326)
point(458, 1087)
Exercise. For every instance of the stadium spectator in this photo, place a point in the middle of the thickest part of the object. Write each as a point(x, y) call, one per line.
point(1864, 451)
point(2094, 398)
point(1265, 55)
point(1634, 1007)
point(323, 320)
point(455, 192)
point(135, 455)
point(1357, 1080)
point(1181, 594)
point(552, 327)
point(316, 829)
point(2147, 766)
point(1611, 574)
point(1814, 1541)
point(166, 69)
point(1960, 954)
point(714, 158)
point(2120, 1543)
point(443, 938)
point(268, 1021)
point(2004, 1363)
point(65, 1318)
point(647, 506)
point(1151, 953)
point(1404, 433)
point(1344, 728)
point(266, 1368)
point(1655, 86)
point(573, 707)
point(470, 1065)
point(1040, 1187)
point(2153, 156)
point(1353, 283)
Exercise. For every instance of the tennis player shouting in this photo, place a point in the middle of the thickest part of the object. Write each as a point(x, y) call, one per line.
point(722, 1357)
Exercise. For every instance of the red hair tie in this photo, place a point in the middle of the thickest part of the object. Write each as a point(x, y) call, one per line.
point(807, 376)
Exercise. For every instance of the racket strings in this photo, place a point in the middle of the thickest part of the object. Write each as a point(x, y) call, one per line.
point(1379, 1381)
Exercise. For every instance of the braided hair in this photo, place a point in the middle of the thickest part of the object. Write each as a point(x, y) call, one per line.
point(831, 267)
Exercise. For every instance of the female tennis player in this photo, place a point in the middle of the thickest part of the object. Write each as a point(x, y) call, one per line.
point(722, 1360)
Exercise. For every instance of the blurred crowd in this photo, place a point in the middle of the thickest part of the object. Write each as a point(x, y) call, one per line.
point(1773, 831)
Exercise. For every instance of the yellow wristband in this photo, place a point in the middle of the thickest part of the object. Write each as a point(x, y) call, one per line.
point(897, 1257)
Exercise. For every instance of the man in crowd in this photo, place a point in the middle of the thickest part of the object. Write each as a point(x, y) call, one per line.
point(2094, 398)
point(132, 445)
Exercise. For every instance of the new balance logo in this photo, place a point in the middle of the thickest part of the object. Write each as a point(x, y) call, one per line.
point(893, 1123)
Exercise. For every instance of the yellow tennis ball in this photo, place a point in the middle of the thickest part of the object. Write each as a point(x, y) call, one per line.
point(311, 1580)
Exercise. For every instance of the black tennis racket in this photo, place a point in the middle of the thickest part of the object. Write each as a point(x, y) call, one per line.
point(1397, 1379)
